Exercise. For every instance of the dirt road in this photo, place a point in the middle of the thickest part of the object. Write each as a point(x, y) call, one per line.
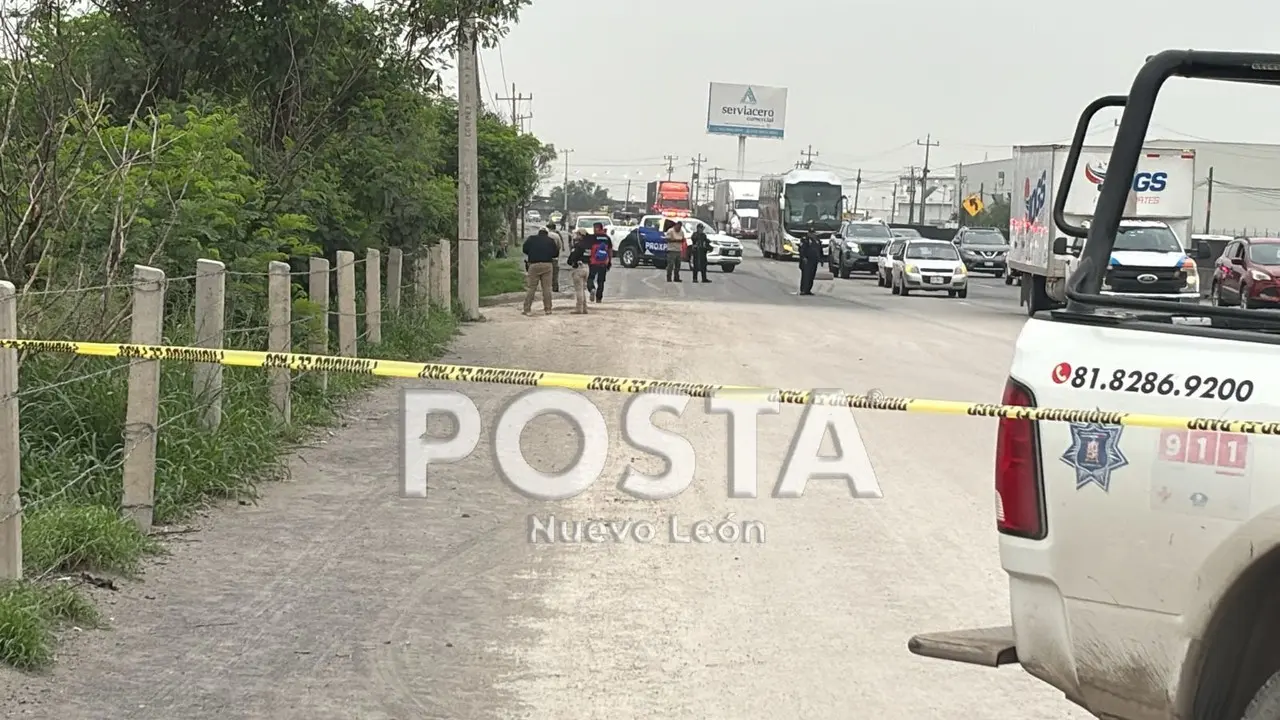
point(335, 598)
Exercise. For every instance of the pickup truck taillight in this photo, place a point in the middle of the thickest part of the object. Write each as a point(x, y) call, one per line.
point(1019, 483)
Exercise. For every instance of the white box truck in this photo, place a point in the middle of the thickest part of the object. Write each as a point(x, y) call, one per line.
point(736, 207)
point(1150, 257)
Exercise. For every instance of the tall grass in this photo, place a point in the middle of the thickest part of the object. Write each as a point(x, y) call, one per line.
point(500, 276)
point(72, 428)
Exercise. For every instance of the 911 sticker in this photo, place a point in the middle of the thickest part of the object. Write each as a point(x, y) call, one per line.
point(1144, 382)
point(1202, 473)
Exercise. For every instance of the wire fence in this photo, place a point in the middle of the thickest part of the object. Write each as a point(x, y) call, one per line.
point(83, 440)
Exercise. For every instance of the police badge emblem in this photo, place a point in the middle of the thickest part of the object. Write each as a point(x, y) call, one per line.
point(1095, 453)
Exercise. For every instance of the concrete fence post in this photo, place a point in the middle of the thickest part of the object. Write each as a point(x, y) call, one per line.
point(211, 304)
point(318, 292)
point(10, 465)
point(373, 296)
point(422, 279)
point(143, 404)
point(347, 304)
point(395, 276)
point(442, 282)
point(280, 334)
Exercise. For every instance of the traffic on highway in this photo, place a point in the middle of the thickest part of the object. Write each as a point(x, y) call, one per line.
point(1136, 515)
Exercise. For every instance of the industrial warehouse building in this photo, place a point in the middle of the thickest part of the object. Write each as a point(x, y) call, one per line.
point(1246, 185)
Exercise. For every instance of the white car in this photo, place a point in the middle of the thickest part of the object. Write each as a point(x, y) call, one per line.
point(884, 274)
point(726, 250)
point(588, 222)
point(929, 266)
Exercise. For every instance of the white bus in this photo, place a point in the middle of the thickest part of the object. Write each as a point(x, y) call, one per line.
point(795, 203)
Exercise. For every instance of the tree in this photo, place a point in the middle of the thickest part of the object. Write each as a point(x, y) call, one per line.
point(584, 195)
point(995, 214)
point(431, 29)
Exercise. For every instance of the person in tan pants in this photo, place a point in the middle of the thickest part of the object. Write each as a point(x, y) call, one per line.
point(541, 253)
point(578, 261)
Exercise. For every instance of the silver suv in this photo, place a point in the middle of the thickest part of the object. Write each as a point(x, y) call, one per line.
point(983, 249)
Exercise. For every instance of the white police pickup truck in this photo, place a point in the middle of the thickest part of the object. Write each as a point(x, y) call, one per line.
point(645, 244)
point(1143, 562)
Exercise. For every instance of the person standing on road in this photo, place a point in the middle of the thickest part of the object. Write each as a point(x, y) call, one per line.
point(810, 256)
point(698, 254)
point(578, 261)
point(675, 249)
point(560, 243)
point(541, 254)
point(600, 260)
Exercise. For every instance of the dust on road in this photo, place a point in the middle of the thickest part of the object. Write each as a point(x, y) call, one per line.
point(335, 598)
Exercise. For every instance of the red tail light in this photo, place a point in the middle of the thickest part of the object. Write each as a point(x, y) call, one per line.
point(1019, 483)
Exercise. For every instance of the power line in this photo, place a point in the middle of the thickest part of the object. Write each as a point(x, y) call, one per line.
point(502, 64)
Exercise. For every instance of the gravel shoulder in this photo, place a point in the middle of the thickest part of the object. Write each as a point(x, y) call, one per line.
point(335, 598)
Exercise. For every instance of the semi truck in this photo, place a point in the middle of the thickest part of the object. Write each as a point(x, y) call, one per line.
point(794, 204)
point(668, 197)
point(1149, 258)
point(736, 207)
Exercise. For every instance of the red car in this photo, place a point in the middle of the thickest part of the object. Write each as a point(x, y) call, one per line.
point(1247, 274)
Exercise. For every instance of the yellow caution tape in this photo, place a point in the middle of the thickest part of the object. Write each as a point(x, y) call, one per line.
point(574, 381)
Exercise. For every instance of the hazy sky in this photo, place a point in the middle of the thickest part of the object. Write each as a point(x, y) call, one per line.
point(624, 83)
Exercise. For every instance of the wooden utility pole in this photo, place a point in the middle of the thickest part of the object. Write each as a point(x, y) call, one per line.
point(696, 164)
point(1208, 206)
point(924, 173)
point(515, 99)
point(893, 204)
point(808, 155)
point(565, 188)
point(671, 164)
point(468, 170)
point(517, 122)
point(857, 190)
point(911, 196)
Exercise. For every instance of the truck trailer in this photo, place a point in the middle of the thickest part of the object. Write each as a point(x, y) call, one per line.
point(668, 197)
point(1149, 257)
point(736, 207)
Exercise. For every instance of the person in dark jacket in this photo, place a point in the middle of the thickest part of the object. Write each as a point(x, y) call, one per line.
point(540, 255)
point(810, 256)
point(580, 273)
point(698, 254)
point(599, 261)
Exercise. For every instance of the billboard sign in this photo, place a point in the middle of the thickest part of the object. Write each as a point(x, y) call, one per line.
point(747, 110)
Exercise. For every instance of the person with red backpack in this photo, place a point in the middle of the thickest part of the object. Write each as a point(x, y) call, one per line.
point(599, 260)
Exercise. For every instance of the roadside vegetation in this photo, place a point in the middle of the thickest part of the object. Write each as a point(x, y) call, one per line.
point(501, 275)
point(247, 132)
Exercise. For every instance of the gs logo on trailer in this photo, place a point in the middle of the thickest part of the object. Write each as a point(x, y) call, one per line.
point(1142, 182)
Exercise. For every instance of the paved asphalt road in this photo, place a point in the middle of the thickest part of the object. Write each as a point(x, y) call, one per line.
point(333, 598)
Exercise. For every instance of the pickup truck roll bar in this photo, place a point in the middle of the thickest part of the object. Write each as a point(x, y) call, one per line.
point(1073, 160)
point(1085, 285)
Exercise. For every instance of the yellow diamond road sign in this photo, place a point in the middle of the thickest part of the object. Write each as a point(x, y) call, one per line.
point(973, 204)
